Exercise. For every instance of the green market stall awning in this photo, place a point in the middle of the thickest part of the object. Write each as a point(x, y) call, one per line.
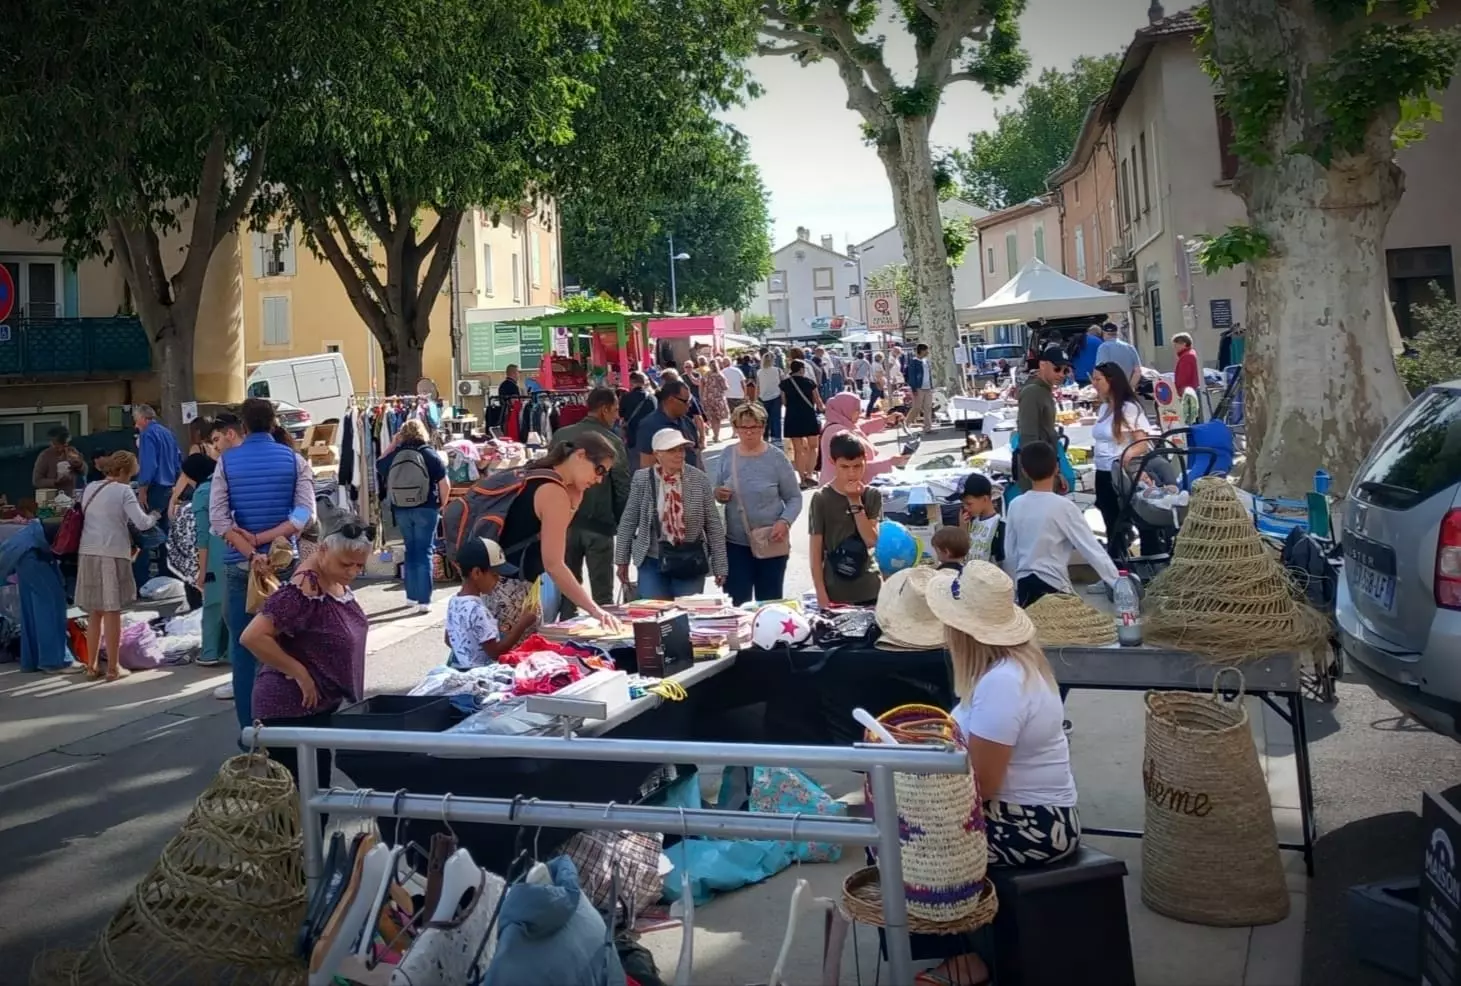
point(534, 339)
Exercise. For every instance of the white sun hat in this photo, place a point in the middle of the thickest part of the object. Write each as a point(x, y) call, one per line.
point(903, 613)
point(980, 601)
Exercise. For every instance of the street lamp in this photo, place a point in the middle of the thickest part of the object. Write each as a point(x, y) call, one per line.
point(674, 294)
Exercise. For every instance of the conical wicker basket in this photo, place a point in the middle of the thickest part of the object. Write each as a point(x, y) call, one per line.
point(941, 825)
point(1063, 619)
point(1209, 850)
point(224, 902)
point(1225, 594)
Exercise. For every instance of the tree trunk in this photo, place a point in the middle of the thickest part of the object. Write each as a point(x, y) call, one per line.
point(402, 356)
point(174, 350)
point(909, 163)
point(1321, 379)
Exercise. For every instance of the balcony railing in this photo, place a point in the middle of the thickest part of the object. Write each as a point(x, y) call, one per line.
point(85, 348)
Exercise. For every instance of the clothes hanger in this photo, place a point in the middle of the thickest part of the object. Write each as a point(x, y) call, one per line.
point(798, 903)
point(388, 878)
point(459, 876)
point(685, 967)
point(357, 920)
point(327, 941)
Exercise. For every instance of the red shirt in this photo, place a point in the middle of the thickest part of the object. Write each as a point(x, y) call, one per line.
point(1187, 372)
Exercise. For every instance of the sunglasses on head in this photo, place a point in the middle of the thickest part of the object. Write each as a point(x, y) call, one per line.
point(354, 532)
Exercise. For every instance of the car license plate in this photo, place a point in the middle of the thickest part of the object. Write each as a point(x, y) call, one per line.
point(1377, 586)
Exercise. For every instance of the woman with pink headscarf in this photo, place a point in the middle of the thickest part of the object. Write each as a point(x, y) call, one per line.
point(844, 412)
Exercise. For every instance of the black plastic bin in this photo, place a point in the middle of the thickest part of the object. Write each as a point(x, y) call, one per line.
point(404, 713)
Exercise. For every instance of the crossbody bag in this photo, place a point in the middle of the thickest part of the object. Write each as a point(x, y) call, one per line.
point(677, 561)
point(848, 559)
point(763, 544)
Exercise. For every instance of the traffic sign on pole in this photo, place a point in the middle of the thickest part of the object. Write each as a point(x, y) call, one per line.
point(7, 293)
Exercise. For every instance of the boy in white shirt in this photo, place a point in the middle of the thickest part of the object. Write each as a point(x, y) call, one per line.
point(1042, 528)
point(471, 632)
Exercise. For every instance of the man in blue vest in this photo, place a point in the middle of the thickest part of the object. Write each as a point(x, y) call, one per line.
point(262, 490)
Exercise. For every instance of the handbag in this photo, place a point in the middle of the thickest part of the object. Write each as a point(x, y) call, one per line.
point(68, 535)
point(763, 545)
point(680, 561)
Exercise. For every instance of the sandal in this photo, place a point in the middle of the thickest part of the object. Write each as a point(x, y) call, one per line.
point(92, 671)
point(117, 675)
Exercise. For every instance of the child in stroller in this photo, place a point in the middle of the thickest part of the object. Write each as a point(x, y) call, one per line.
point(1153, 486)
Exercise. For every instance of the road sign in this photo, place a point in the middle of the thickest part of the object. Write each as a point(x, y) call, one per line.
point(7, 293)
point(882, 311)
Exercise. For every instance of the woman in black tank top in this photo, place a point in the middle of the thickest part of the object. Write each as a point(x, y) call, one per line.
point(535, 530)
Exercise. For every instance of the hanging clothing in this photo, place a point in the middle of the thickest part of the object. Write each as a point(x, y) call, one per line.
point(443, 956)
point(28, 556)
point(551, 935)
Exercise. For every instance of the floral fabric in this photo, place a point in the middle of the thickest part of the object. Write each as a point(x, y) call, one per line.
point(788, 791)
point(1029, 835)
point(671, 502)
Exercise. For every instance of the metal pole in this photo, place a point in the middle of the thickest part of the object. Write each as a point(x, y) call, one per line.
point(674, 294)
point(890, 872)
point(309, 817)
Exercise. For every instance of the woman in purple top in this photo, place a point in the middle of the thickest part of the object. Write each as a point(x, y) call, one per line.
point(309, 637)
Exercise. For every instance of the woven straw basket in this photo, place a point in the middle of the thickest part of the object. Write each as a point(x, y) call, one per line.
point(941, 828)
point(1065, 620)
point(222, 904)
point(1209, 854)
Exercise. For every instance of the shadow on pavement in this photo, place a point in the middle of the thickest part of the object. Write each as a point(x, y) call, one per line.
point(81, 831)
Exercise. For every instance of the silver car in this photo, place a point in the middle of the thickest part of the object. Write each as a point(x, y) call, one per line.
point(1399, 603)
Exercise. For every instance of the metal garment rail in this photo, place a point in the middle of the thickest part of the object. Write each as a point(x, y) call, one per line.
point(880, 763)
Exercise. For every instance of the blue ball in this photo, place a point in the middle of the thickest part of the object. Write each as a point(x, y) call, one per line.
point(897, 548)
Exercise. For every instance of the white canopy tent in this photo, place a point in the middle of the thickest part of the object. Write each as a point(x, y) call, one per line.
point(1039, 291)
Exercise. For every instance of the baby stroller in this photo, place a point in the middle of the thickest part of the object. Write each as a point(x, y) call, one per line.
point(1153, 487)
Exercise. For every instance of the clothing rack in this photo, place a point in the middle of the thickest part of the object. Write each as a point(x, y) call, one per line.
point(879, 761)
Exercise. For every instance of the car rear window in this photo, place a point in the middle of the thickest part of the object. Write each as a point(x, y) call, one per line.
point(1420, 458)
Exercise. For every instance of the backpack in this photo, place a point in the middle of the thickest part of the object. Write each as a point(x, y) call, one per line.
point(483, 510)
point(408, 482)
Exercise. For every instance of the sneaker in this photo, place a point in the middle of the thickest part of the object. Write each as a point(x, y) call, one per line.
point(215, 663)
point(1066, 726)
point(224, 692)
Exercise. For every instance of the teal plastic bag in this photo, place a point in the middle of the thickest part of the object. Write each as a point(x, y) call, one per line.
point(1067, 471)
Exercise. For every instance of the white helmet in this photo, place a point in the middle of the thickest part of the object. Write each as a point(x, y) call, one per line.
point(776, 625)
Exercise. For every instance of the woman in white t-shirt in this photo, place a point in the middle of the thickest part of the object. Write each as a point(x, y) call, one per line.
point(1119, 438)
point(768, 391)
point(1011, 716)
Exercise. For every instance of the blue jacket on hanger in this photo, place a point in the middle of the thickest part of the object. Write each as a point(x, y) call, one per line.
point(550, 935)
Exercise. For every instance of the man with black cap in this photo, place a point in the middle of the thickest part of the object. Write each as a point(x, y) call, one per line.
point(1035, 421)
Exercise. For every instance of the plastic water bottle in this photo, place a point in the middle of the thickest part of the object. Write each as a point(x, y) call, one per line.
point(1128, 610)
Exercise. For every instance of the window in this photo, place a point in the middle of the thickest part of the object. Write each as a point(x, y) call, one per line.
point(1154, 306)
point(990, 263)
point(517, 278)
point(259, 388)
point(824, 306)
point(1080, 253)
point(554, 283)
point(276, 321)
point(781, 316)
point(1415, 273)
point(1040, 243)
point(1124, 197)
point(1146, 178)
point(821, 279)
point(37, 286)
point(1012, 253)
point(23, 427)
point(535, 260)
point(1227, 159)
point(333, 346)
point(776, 283)
point(274, 254)
point(1419, 458)
point(1075, 188)
point(489, 276)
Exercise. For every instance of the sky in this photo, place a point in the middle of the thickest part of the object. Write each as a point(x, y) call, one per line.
point(809, 146)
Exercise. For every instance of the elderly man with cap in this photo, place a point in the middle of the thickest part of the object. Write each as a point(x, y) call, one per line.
point(1035, 420)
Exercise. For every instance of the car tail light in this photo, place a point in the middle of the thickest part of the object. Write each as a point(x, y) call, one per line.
point(1448, 562)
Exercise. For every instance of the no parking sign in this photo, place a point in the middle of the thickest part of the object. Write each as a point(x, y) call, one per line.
point(7, 293)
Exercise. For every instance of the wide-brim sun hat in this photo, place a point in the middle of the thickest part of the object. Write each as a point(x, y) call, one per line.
point(980, 601)
point(903, 614)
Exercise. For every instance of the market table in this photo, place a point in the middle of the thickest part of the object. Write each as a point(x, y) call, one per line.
point(811, 692)
point(650, 717)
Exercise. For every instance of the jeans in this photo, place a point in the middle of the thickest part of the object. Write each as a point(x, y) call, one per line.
point(773, 419)
point(751, 577)
point(153, 542)
point(236, 615)
point(418, 529)
point(654, 585)
point(598, 551)
point(875, 394)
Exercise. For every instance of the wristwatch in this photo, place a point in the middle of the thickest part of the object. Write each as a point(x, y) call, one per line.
point(856, 508)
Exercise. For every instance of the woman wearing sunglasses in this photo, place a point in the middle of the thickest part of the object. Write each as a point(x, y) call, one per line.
point(535, 530)
point(309, 637)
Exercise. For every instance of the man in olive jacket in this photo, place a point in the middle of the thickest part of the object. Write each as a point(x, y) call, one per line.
point(591, 535)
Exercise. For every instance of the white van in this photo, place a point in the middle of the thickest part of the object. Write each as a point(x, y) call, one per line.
point(318, 384)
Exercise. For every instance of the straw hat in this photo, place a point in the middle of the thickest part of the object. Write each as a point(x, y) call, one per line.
point(903, 613)
point(980, 601)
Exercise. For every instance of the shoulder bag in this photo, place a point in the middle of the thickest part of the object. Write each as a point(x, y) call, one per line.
point(68, 536)
point(802, 394)
point(677, 561)
point(763, 545)
point(848, 559)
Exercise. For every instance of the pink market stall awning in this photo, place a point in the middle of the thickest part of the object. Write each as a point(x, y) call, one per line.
point(685, 326)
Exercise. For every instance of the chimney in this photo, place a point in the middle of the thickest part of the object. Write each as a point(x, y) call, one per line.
point(1155, 13)
point(827, 242)
point(802, 233)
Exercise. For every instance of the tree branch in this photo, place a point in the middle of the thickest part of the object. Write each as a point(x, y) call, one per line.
point(930, 11)
point(233, 212)
point(148, 305)
point(960, 19)
point(189, 278)
point(369, 202)
point(775, 50)
point(442, 245)
point(373, 315)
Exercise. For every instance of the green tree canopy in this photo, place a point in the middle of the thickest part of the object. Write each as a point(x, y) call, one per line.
point(709, 197)
point(1010, 163)
point(137, 130)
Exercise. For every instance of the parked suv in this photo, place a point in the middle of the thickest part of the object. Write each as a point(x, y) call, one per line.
point(1399, 603)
